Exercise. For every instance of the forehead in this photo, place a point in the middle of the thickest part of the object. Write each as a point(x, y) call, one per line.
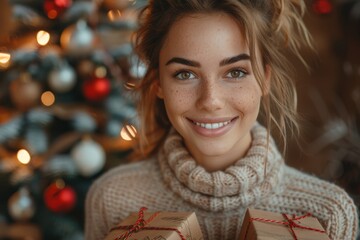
point(209, 34)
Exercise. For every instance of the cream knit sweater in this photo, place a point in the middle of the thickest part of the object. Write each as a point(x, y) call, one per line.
point(174, 182)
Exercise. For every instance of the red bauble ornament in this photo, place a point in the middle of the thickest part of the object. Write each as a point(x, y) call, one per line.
point(54, 8)
point(322, 7)
point(59, 198)
point(96, 89)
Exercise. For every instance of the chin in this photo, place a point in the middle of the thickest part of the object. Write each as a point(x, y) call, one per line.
point(210, 152)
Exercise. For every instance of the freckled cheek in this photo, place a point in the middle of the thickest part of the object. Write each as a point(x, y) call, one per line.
point(179, 98)
point(246, 100)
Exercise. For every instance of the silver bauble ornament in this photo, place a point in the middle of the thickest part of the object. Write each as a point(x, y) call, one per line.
point(21, 205)
point(137, 68)
point(78, 39)
point(89, 157)
point(62, 79)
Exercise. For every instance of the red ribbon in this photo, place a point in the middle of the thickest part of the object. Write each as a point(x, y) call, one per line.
point(140, 224)
point(290, 222)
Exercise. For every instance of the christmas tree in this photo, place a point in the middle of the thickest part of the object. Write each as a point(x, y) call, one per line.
point(65, 113)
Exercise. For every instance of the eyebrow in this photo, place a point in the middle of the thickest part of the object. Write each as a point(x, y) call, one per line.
point(223, 62)
point(234, 59)
point(183, 61)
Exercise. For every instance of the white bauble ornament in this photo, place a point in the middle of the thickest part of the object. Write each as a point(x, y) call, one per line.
point(137, 68)
point(89, 157)
point(78, 39)
point(21, 205)
point(62, 79)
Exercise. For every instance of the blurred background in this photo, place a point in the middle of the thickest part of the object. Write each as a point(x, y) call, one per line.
point(66, 116)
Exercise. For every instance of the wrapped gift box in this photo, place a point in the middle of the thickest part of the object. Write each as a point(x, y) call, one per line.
point(261, 225)
point(162, 225)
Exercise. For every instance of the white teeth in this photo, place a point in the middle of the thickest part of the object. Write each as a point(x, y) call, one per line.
point(212, 125)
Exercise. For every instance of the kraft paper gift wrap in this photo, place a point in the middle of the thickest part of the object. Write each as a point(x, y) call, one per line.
point(162, 225)
point(264, 225)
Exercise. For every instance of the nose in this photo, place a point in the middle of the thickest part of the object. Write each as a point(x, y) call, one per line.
point(210, 96)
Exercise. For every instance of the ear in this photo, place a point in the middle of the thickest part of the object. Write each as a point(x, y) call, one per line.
point(158, 89)
point(267, 81)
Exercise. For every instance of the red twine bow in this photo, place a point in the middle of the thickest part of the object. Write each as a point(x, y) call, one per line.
point(290, 222)
point(140, 224)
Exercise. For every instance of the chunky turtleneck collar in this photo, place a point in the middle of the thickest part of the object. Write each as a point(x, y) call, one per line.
point(242, 184)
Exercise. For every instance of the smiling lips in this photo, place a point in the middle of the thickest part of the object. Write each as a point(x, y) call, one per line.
point(204, 127)
point(212, 125)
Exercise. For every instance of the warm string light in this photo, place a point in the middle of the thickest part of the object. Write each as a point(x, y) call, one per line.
point(128, 132)
point(23, 156)
point(4, 59)
point(129, 85)
point(52, 14)
point(43, 37)
point(47, 98)
point(113, 15)
point(60, 183)
point(100, 72)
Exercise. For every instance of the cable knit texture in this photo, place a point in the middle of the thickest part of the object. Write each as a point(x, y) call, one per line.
point(175, 182)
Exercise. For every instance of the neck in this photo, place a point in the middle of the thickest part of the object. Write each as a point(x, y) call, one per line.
point(214, 163)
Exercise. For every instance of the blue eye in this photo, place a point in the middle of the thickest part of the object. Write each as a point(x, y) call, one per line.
point(184, 75)
point(237, 73)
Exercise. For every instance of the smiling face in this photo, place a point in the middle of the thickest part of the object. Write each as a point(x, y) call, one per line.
point(209, 90)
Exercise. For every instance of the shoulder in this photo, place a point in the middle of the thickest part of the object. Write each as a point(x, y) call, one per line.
point(116, 193)
point(123, 179)
point(123, 172)
point(327, 201)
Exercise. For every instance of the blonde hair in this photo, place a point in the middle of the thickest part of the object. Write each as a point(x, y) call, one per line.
point(272, 28)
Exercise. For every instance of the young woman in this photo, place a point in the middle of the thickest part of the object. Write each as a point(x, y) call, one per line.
point(217, 84)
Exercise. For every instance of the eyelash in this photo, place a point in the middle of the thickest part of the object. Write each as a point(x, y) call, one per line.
point(177, 73)
point(242, 72)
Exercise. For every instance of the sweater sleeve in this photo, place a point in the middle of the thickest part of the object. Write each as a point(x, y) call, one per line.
point(343, 223)
point(106, 204)
point(334, 208)
point(96, 226)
